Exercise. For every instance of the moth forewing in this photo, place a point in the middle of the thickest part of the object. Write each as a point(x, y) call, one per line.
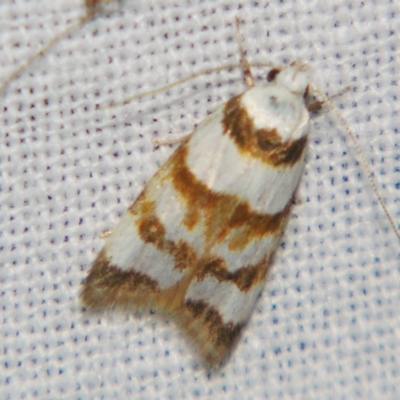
point(197, 242)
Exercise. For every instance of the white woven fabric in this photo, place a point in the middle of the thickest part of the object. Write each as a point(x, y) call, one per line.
point(328, 323)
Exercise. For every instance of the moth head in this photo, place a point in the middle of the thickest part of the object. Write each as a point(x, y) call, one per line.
point(295, 77)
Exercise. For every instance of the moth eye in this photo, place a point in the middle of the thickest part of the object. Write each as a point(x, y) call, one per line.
point(272, 74)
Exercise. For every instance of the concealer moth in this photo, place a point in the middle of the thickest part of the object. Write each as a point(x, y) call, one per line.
point(196, 243)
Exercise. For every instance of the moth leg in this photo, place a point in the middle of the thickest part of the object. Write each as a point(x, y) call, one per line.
point(172, 140)
point(105, 234)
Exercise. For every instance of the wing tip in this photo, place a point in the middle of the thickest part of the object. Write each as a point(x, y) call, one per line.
point(108, 287)
point(212, 338)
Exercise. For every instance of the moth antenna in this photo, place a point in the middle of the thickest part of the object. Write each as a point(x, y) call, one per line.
point(243, 64)
point(169, 86)
point(179, 82)
point(93, 7)
point(360, 154)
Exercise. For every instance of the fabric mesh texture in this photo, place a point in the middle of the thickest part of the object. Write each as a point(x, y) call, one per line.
point(327, 325)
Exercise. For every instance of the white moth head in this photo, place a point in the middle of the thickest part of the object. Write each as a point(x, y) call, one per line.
point(279, 105)
point(295, 77)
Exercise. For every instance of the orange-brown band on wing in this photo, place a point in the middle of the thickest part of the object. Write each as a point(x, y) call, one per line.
point(263, 144)
point(202, 202)
point(108, 286)
point(151, 230)
point(204, 326)
point(244, 278)
point(245, 225)
point(223, 215)
point(236, 223)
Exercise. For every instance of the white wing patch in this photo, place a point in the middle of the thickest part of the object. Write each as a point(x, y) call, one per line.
point(133, 254)
point(234, 305)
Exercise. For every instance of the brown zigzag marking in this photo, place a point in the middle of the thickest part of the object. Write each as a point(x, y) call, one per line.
point(244, 278)
point(107, 286)
point(151, 230)
point(224, 215)
point(216, 339)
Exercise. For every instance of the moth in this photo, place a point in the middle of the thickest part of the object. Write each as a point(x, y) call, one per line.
point(196, 243)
